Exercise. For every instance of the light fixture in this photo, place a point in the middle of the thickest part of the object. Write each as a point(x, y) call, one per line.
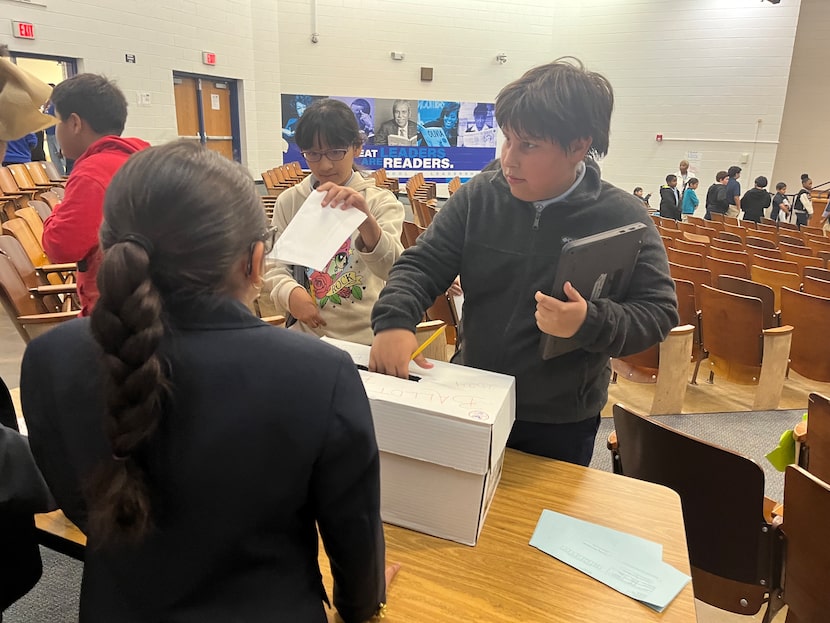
point(501, 58)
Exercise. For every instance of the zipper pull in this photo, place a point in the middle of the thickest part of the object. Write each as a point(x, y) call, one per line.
point(538, 217)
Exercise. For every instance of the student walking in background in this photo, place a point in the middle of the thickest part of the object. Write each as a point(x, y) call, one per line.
point(756, 200)
point(670, 198)
point(780, 204)
point(690, 200)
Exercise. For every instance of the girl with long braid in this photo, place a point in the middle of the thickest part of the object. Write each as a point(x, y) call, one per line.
point(197, 447)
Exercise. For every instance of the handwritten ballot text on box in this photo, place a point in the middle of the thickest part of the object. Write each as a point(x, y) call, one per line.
point(441, 443)
point(627, 563)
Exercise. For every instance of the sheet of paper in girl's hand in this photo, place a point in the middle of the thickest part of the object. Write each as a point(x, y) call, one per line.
point(316, 233)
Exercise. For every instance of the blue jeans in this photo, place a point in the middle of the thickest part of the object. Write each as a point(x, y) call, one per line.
point(55, 153)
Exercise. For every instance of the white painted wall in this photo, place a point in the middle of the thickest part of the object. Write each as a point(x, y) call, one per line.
point(165, 36)
point(700, 70)
point(805, 131)
point(690, 69)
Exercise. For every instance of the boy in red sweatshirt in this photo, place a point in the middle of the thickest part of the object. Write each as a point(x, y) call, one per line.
point(91, 113)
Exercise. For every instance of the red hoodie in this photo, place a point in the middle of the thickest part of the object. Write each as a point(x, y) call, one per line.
point(70, 234)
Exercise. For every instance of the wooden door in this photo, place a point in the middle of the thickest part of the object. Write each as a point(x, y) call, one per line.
point(216, 104)
point(187, 107)
point(204, 113)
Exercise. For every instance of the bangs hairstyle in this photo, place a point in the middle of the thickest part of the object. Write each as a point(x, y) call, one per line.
point(327, 122)
point(560, 102)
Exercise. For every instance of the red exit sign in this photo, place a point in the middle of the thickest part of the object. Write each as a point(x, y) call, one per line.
point(23, 30)
point(209, 58)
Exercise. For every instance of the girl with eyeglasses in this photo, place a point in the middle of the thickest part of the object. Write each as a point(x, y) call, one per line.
point(199, 448)
point(337, 302)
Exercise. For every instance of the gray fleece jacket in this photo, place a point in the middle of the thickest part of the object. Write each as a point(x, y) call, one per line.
point(504, 252)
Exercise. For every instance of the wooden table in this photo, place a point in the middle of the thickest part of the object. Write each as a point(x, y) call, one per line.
point(503, 579)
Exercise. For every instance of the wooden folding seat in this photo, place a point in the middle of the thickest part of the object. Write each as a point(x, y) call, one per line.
point(52, 173)
point(810, 317)
point(730, 256)
point(25, 312)
point(816, 273)
point(760, 291)
point(20, 229)
point(24, 181)
point(825, 257)
point(814, 440)
point(716, 225)
point(691, 247)
point(666, 364)
point(38, 174)
point(817, 244)
point(733, 548)
point(33, 220)
point(794, 238)
point(455, 184)
point(689, 227)
point(719, 267)
point(697, 220)
point(762, 239)
point(816, 287)
point(668, 232)
point(669, 223)
point(773, 264)
point(297, 171)
point(748, 224)
point(776, 280)
point(731, 220)
point(803, 261)
point(393, 183)
point(763, 243)
point(409, 234)
point(709, 232)
point(655, 219)
point(684, 258)
point(668, 243)
point(808, 230)
point(59, 191)
point(739, 349)
point(765, 220)
point(698, 238)
point(794, 248)
point(763, 251)
point(698, 276)
point(806, 546)
point(718, 218)
point(45, 294)
point(785, 225)
point(443, 309)
point(11, 192)
point(772, 229)
point(42, 208)
point(729, 245)
point(730, 236)
point(51, 198)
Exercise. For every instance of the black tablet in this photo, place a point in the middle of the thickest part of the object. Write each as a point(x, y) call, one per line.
point(598, 266)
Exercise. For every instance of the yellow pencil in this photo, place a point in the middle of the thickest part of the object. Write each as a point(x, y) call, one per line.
point(428, 341)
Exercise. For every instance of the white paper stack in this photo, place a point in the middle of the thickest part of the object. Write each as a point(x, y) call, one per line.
point(442, 441)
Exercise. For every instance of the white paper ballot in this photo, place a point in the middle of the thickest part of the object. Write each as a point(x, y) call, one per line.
point(315, 233)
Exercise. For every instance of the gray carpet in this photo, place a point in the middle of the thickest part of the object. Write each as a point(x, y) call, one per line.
point(751, 434)
point(55, 598)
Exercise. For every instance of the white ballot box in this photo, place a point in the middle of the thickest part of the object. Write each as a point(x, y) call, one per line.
point(441, 441)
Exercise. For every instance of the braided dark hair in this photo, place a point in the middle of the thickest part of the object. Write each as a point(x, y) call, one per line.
point(177, 218)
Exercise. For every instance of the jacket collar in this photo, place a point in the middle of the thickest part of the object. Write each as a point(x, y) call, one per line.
point(587, 191)
point(209, 312)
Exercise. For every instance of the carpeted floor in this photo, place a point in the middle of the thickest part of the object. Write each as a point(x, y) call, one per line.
point(752, 434)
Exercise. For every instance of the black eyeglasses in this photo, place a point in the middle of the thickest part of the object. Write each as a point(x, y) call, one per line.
point(267, 239)
point(332, 154)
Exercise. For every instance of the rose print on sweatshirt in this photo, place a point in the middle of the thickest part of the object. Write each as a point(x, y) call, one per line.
point(339, 281)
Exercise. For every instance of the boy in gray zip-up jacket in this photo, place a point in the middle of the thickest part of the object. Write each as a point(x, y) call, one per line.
point(503, 233)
